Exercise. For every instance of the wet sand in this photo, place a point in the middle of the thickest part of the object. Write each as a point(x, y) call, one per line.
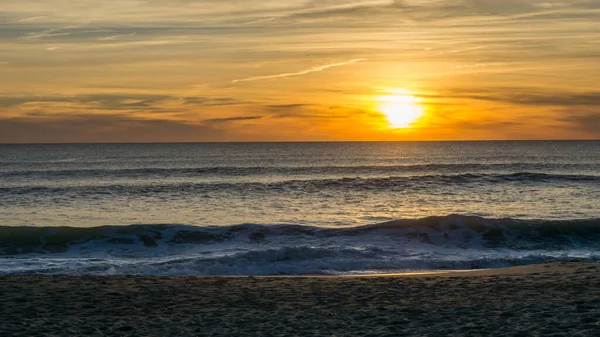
point(561, 299)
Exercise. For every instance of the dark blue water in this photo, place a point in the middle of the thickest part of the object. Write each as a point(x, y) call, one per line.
point(304, 185)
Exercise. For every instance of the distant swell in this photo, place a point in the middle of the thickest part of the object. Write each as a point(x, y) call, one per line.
point(448, 242)
point(384, 183)
point(157, 172)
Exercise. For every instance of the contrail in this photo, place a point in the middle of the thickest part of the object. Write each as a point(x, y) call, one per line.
point(303, 72)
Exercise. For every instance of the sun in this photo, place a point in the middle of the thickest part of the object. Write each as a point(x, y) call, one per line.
point(402, 109)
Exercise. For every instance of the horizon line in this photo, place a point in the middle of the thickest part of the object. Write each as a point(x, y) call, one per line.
point(314, 141)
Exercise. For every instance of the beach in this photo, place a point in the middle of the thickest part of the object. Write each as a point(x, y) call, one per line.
point(558, 299)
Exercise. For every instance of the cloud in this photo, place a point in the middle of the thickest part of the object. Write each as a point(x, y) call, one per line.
point(42, 35)
point(287, 106)
point(588, 121)
point(525, 96)
point(133, 101)
point(102, 128)
point(140, 43)
point(479, 65)
point(262, 20)
point(34, 18)
point(59, 31)
point(303, 72)
point(114, 37)
point(226, 120)
point(323, 8)
point(109, 101)
point(484, 125)
point(307, 112)
point(211, 101)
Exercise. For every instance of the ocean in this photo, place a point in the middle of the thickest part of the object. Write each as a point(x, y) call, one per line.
point(296, 208)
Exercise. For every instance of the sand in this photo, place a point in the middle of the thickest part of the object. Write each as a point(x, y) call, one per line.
point(561, 299)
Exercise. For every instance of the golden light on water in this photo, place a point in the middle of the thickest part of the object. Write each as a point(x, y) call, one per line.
point(401, 108)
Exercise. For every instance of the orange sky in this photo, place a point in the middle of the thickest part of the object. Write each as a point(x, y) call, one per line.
point(172, 71)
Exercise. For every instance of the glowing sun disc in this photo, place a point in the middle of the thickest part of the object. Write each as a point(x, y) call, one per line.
point(401, 110)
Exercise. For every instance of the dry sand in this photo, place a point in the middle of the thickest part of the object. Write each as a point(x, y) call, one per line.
point(560, 299)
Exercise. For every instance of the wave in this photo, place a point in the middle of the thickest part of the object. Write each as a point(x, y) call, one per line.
point(307, 185)
point(282, 261)
point(283, 170)
point(444, 242)
point(457, 230)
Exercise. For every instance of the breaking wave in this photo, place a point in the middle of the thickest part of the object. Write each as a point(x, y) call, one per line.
point(443, 242)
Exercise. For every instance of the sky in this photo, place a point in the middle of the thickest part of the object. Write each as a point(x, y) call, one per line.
point(298, 70)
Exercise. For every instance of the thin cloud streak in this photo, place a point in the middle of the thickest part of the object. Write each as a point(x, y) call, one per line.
point(30, 19)
point(114, 37)
point(324, 9)
point(50, 32)
point(299, 73)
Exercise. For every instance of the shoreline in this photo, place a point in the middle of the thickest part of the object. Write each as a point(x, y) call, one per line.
point(561, 298)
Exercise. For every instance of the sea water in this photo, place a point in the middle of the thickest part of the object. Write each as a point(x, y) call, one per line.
point(296, 208)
